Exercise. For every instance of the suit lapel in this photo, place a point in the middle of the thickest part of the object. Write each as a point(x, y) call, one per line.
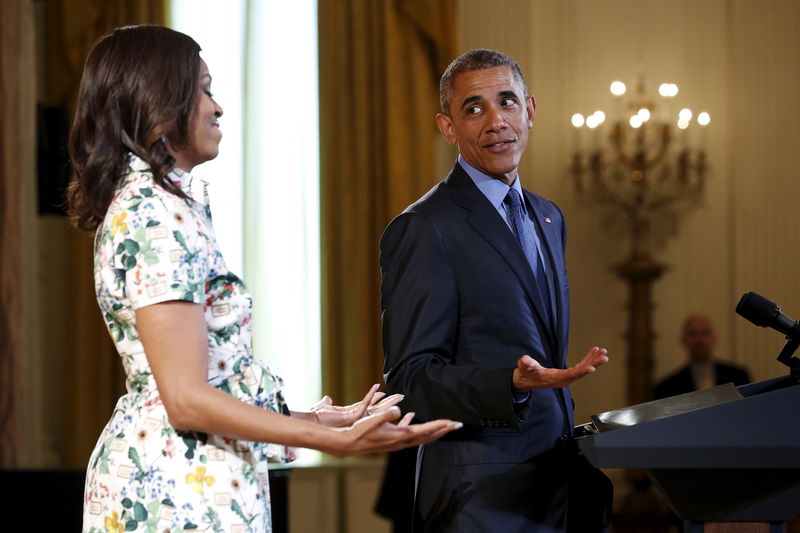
point(483, 217)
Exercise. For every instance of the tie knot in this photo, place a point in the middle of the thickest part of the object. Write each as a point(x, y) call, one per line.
point(513, 199)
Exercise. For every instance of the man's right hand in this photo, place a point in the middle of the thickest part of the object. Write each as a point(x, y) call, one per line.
point(530, 375)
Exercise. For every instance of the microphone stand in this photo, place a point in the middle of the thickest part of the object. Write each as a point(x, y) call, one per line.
point(790, 346)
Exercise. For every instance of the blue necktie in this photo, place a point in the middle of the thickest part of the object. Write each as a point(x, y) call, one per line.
point(528, 242)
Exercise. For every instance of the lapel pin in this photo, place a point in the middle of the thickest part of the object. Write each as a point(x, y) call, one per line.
point(547, 219)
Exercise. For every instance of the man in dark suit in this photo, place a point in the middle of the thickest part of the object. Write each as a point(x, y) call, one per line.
point(703, 370)
point(475, 322)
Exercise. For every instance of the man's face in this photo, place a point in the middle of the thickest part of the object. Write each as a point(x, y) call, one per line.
point(488, 120)
point(698, 339)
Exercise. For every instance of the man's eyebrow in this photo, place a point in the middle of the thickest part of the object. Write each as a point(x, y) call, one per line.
point(471, 99)
point(508, 94)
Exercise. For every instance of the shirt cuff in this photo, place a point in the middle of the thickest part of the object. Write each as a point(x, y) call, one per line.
point(521, 397)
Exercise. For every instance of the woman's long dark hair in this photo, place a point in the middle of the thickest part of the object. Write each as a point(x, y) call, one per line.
point(138, 87)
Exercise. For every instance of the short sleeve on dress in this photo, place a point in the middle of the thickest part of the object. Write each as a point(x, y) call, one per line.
point(159, 242)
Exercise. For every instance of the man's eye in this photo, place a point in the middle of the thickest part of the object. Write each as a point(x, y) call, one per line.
point(473, 110)
point(507, 102)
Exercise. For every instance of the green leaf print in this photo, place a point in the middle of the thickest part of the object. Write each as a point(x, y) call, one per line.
point(145, 245)
point(236, 508)
point(140, 380)
point(105, 451)
point(212, 517)
point(189, 525)
point(147, 192)
point(129, 262)
point(153, 518)
point(139, 512)
point(131, 246)
point(191, 445)
point(179, 237)
point(115, 328)
point(151, 223)
point(131, 525)
point(150, 257)
point(189, 290)
point(133, 455)
point(248, 473)
point(127, 503)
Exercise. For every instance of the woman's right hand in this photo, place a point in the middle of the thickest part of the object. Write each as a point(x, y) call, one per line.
point(376, 433)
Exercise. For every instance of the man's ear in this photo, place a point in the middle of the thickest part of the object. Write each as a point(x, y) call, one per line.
point(530, 105)
point(445, 125)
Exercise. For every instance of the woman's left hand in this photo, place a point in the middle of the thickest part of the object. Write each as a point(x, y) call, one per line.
point(346, 415)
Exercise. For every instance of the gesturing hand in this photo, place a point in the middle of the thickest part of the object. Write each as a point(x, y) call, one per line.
point(376, 433)
point(530, 375)
point(339, 416)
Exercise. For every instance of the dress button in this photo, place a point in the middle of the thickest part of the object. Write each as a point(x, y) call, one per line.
point(563, 438)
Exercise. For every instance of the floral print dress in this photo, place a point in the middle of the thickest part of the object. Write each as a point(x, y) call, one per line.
point(144, 475)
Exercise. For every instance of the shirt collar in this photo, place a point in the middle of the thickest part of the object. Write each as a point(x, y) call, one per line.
point(194, 187)
point(492, 188)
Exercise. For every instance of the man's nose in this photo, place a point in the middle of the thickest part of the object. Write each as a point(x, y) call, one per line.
point(495, 120)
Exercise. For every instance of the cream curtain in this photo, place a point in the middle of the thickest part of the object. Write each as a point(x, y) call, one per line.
point(380, 63)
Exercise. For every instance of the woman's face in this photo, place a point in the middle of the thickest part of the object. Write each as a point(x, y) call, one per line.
point(204, 133)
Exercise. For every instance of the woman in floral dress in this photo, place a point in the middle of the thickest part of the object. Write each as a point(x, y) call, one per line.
point(187, 447)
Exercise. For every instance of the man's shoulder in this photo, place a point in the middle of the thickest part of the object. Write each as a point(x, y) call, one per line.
point(677, 375)
point(542, 204)
point(735, 372)
point(677, 382)
point(435, 202)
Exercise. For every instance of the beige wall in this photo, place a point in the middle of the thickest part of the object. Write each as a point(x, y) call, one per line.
point(736, 59)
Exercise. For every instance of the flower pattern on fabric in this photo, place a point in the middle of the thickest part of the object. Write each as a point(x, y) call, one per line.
point(144, 475)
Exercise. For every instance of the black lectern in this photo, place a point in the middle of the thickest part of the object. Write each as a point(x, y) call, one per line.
point(721, 454)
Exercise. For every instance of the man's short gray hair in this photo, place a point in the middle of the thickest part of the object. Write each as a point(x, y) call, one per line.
point(478, 59)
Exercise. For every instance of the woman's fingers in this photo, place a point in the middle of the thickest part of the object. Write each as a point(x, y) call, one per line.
point(385, 403)
point(367, 401)
point(427, 432)
point(376, 398)
point(406, 420)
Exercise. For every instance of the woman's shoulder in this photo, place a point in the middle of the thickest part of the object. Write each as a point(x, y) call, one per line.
point(140, 195)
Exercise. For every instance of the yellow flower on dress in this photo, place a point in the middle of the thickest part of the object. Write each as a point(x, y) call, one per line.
point(112, 523)
point(198, 478)
point(118, 223)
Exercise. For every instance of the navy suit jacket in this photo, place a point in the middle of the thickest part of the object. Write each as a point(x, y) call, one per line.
point(459, 307)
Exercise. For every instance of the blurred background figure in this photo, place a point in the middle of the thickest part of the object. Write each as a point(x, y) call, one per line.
point(703, 370)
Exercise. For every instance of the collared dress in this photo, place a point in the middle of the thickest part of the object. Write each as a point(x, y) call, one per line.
point(144, 475)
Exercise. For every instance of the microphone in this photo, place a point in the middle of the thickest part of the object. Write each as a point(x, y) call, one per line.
point(765, 313)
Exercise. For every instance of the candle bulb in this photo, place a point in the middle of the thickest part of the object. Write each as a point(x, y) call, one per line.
point(704, 119)
point(577, 124)
point(617, 89)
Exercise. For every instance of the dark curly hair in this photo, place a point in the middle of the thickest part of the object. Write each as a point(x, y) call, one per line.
point(138, 87)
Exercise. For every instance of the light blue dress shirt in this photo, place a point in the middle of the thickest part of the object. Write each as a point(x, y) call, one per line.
point(495, 191)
